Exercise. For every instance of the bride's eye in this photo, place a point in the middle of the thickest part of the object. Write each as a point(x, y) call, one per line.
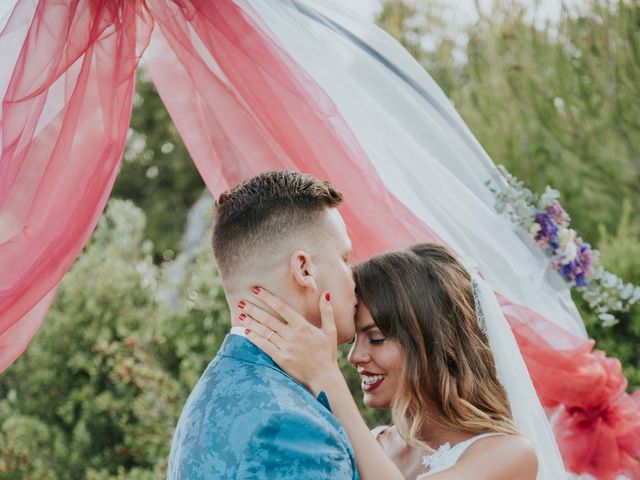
point(377, 341)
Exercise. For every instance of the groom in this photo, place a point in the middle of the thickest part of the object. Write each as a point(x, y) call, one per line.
point(246, 418)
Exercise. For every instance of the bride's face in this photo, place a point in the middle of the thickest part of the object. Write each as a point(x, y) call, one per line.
point(379, 361)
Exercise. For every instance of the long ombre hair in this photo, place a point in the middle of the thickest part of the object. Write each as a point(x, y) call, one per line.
point(423, 298)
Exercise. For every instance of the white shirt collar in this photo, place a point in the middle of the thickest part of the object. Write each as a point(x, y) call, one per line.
point(238, 331)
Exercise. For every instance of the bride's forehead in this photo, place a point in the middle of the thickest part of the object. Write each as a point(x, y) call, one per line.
point(362, 312)
point(364, 321)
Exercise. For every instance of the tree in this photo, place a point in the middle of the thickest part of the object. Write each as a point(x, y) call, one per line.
point(90, 396)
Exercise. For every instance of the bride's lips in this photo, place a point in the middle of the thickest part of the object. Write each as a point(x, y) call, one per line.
point(370, 387)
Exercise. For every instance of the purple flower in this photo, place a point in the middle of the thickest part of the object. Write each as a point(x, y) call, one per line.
point(548, 233)
point(558, 214)
point(567, 270)
point(579, 269)
point(580, 281)
point(585, 256)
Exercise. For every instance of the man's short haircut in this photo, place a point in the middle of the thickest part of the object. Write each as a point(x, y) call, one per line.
point(263, 211)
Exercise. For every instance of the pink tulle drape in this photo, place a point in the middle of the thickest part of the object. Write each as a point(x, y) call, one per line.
point(243, 106)
point(65, 115)
point(256, 110)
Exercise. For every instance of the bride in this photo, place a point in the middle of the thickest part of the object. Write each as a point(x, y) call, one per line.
point(421, 353)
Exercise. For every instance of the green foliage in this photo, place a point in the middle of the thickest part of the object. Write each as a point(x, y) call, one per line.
point(621, 254)
point(621, 251)
point(89, 394)
point(558, 104)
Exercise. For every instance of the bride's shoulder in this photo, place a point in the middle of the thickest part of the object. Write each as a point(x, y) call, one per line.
point(515, 444)
point(517, 456)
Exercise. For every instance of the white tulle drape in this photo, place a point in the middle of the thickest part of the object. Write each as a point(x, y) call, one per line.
point(420, 146)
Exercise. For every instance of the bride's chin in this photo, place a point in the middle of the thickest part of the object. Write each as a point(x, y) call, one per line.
point(375, 403)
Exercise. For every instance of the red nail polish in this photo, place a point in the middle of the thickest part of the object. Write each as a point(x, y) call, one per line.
point(327, 297)
point(241, 304)
point(242, 316)
point(247, 331)
point(255, 290)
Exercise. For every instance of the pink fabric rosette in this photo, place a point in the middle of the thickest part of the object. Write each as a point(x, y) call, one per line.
point(597, 423)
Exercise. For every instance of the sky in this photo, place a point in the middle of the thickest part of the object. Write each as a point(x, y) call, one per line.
point(462, 10)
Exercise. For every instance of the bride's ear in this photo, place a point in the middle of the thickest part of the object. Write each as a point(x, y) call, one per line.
point(303, 270)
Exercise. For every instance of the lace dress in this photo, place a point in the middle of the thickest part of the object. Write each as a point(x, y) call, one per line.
point(445, 457)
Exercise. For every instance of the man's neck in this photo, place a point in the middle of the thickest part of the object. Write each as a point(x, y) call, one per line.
point(234, 296)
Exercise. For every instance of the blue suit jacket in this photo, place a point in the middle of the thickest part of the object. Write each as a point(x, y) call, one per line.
point(247, 419)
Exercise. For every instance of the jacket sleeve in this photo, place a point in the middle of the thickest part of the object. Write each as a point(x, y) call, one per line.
point(287, 446)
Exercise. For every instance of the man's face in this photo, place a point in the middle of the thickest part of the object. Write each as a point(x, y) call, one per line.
point(334, 273)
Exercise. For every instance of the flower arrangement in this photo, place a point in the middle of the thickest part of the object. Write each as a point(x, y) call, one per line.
point(549, 226)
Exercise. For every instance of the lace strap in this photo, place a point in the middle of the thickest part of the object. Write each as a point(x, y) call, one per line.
point(447, 456)
point(472, 440)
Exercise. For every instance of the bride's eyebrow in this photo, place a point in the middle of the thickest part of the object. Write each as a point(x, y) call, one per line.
point(368, 327)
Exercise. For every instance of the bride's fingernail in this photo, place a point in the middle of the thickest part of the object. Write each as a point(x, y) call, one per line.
point(242, 316)
point(247, 331)
point(255, 290)
point(327, 297)
point(241, 304)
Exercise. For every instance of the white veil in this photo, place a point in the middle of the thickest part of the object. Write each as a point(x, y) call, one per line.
point(528, 413)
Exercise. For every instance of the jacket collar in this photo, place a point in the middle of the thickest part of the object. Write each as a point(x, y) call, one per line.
point(241, 348)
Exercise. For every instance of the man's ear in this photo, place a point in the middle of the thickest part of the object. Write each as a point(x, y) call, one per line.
point(303, 270)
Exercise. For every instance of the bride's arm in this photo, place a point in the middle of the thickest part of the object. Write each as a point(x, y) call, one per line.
point(372, 460)
point(309, 354)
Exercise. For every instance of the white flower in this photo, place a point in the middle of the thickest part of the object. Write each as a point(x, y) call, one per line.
point(547, 197)
point(627, 291)
point(566, 236)
point(608, 320)
point(534, 229)
point(569, 253)
point(609, 280)
point(524, 211)
point(558, 103)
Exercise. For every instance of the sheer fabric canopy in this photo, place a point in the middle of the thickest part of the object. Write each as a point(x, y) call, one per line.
point(285, 84)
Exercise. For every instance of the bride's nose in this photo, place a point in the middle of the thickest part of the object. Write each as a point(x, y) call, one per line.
point(358, 354)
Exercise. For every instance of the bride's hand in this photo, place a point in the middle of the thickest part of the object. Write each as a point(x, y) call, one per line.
point(307, 353)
